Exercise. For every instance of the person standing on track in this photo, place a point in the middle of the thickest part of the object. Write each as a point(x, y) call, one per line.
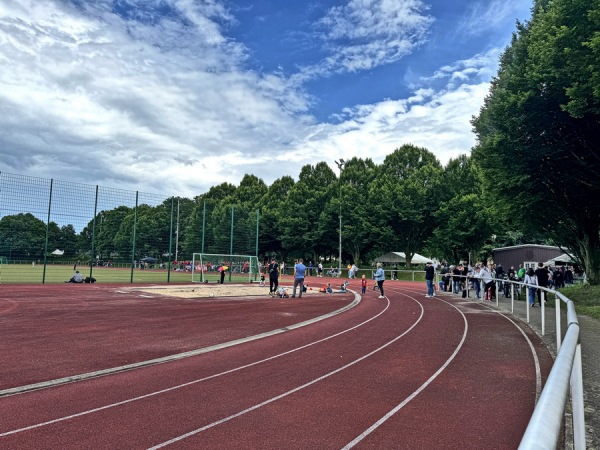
point(380, 278)
point(299, 273)
point(429, 275)
point(273, 270)
point(363, 285)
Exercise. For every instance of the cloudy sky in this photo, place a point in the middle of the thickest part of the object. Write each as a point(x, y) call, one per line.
point(175, 96)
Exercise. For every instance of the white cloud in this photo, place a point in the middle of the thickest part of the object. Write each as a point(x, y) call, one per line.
point(484, 16)
point(90, 96)
point(364, 34)
point(87, 94)
point(438, 121)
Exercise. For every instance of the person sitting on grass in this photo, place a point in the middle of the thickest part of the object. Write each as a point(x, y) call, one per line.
point(76, 278)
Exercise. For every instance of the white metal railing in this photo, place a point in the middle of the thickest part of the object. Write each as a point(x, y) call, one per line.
point(544, 427)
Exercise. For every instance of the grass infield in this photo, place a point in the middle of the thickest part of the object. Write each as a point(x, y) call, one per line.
point(27, 274)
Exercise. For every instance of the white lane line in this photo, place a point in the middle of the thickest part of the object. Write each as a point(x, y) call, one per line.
point(285, 394)
point(419, 390)
point(189, 383)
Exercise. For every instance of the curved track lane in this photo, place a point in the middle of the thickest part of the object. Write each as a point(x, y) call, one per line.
point(401, 372)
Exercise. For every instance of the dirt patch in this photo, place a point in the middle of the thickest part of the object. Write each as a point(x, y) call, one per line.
point(216, 290)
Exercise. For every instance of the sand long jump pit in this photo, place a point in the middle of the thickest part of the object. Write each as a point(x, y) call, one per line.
point(216, 290)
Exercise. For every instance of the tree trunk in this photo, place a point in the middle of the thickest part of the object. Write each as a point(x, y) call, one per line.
point(590, 253)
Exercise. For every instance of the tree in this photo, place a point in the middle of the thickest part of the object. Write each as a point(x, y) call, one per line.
point(358, 219)
point(303, 206)
point(537, 131)
point(408, 193)
point(22, 236)
point(272, 210)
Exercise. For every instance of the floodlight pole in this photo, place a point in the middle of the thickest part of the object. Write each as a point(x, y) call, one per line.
point(340, 165)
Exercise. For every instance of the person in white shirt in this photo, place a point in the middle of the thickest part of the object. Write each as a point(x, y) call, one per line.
point(76, 278)
point(488, 283)
point(531, 281)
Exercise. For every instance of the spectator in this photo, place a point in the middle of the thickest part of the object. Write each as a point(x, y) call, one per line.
point(429, 276)
point(500, 275)
point(531, 280)
point(456, 281)
point(380, 278)
point(76, 278)
point(488, 283)
point(521, 272)
point(476, 275)
point(299, 273)
point(543, 276)
point(273, 270)
point(568, 276)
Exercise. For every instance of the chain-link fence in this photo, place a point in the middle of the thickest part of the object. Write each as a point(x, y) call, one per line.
point(50, 229)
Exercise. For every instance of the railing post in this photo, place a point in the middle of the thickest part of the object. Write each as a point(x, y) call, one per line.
point(558, 324)
point(512, 297)
point(577, 401)
point(543, 297)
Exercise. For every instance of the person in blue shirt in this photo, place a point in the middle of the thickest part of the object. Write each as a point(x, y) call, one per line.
point(299, 272)
point(380, 278)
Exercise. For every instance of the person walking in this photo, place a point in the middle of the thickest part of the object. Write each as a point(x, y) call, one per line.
point(273, 270)
point(299, 273)
point(543, 275)
point(429, 275)
point(531, 280)
point(380, 278)
point(488, 283)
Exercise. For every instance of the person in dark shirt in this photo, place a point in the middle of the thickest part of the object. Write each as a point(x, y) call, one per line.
point(429, 275)
point(543, 275)
point(273, 270)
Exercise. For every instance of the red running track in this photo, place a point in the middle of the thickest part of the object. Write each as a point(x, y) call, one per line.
point(401, 372)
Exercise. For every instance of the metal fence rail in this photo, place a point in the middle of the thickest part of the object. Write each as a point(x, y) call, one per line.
point(50, 228)
point(566, 375)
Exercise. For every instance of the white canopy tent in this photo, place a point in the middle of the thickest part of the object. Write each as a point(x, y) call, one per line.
point(561, 260)
point(400, 257)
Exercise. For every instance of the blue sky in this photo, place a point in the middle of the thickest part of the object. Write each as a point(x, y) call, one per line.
point(175, 96)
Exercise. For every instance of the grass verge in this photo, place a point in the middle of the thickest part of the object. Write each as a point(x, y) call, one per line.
point(586, 299)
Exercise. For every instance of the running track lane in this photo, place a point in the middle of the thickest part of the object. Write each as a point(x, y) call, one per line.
point(325, 395)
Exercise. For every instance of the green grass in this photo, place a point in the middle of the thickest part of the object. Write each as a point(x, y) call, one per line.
point(586, 299)
point(26, 274)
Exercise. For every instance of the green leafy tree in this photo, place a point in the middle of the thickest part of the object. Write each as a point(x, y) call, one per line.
point(408, 194)
point(538, 128)
point(358, 223)
point(306, 200)
point(22, 236)
point(464, 226)
point(201, 220)
point(272, 211)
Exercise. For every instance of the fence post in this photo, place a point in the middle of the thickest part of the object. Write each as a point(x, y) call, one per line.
point(94, 233)
point(171, 238)
point(203, 226)
point(133, 236)
point(47, 232)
